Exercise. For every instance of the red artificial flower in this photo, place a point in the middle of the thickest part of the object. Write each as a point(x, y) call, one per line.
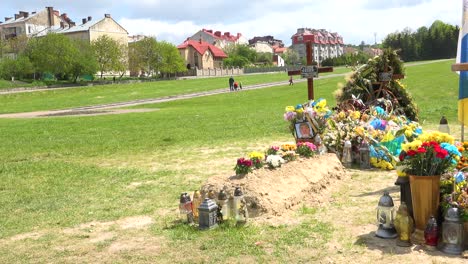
point(421, 150)
point(442, 154)
point(412, 152)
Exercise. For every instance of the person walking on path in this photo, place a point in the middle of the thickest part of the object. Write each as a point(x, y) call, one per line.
point(291, 80)
point(231, 84)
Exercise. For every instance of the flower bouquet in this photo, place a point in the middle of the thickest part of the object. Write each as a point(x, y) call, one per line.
point(273, 150)
point(274, 161)
point(243, 166)
point(306, 149)
point(430, 154)
point(257, 159)
point(425, 159)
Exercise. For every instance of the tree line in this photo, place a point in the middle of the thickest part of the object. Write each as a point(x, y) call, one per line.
point(68, 59)
point(439, 41)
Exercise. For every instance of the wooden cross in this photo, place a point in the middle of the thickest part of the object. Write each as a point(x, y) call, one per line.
point(384, 79)
point(310, 71)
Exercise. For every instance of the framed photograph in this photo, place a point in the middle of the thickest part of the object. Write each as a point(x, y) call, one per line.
point(304, 130)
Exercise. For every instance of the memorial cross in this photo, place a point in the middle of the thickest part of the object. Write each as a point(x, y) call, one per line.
point(310, 71)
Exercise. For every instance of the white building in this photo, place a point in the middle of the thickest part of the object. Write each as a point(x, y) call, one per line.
point(324, 44)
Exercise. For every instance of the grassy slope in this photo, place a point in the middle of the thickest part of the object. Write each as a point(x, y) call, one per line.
point(58, 172)
point(59, 99)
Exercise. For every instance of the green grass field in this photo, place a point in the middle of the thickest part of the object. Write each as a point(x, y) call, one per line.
point(56, 173)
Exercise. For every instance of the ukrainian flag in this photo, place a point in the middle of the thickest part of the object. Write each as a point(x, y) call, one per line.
point(463, 55)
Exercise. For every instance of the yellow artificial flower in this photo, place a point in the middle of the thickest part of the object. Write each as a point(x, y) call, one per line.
point(359, 130)
point(341, 116)
point(414, 145)
point(408, 132)
point(256, 154)
point(289, 108)
point(288, 147)
point(388, 137)
point(355, 115)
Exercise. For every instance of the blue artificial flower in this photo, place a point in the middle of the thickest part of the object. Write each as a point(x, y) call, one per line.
point(418, 131)
point(380, 111)
point(378, 124)
point(328, 114)
point(459, 177)
point(451, 149)
point(299, 106)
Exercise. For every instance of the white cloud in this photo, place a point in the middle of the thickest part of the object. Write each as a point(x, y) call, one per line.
point(175, 20)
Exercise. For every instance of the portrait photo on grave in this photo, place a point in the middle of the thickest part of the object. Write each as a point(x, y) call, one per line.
point(304, 130)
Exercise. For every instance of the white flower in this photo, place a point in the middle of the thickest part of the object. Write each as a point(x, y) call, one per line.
point(274, 161)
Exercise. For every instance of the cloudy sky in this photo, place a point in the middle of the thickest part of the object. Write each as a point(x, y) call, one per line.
point(175, 20)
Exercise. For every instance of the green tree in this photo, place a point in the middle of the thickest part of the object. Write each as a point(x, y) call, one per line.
point(122, 65)
point(53, 53)
point(240, 56)
point(236, 61)
point(84, 62)
point(291, 57)
point(438, 41)
point(4, 47)
point(19, 68)
point(146, 56)
point(18, 44)
point(171, 62)
point(265, 58)
point(108, 53)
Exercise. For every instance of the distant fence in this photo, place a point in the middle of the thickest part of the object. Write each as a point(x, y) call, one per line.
point(211, 72)
point(234, 71)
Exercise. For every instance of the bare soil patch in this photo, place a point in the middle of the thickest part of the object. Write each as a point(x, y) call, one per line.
point(270, 193)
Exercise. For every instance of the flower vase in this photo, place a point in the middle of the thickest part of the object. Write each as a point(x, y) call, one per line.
point(425, 197)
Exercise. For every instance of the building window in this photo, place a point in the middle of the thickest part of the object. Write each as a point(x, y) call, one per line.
point(195, 58)
point(29, 29)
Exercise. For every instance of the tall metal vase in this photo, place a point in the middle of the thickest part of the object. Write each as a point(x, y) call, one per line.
point(425, 197)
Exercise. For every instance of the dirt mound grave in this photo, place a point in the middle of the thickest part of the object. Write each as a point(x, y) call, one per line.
point(272, 192)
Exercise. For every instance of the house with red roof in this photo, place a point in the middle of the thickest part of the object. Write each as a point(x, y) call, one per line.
point(219, 39)
point(324, 44)
point(201, 54)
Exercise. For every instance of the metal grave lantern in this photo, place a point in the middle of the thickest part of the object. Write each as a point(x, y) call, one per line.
point(385, 217)
point(240, 207)
point(431, 233)
point(185, 208)
point(404, 225)
point(207, 214)
point(443, 125)
point(452, 233)
point(197, 200)
point(364, 155)
point(223, 206)
point(347, 158)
